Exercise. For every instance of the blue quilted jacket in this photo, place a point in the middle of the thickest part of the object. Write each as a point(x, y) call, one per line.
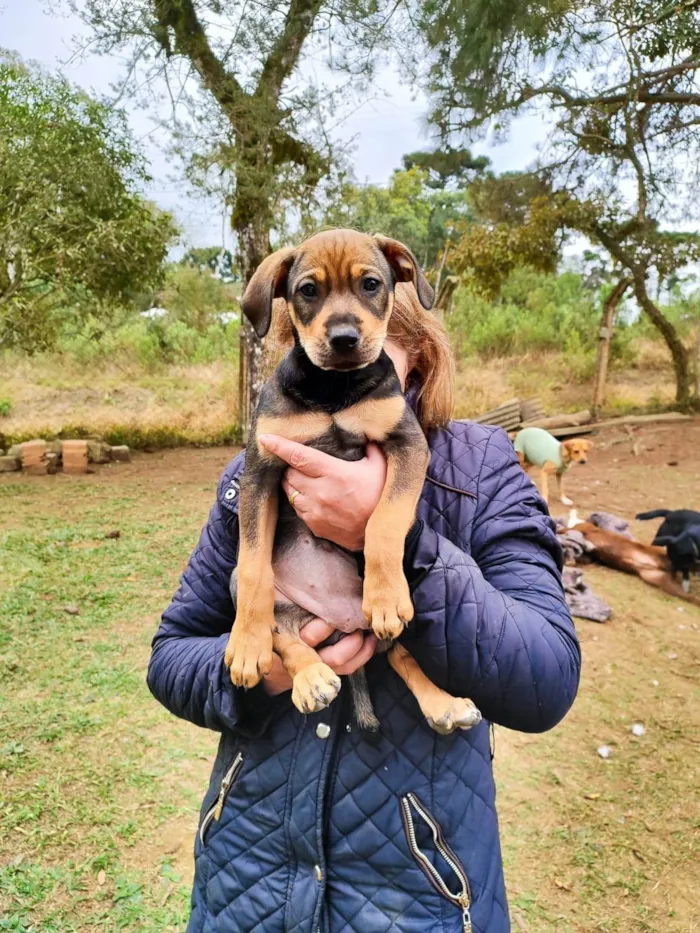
point(311, 827)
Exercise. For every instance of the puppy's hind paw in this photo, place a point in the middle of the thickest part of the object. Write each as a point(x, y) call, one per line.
point(315, 688)
point(456, 713)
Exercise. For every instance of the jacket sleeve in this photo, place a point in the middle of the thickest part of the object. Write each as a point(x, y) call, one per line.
point(186, 672)
point(494, 626)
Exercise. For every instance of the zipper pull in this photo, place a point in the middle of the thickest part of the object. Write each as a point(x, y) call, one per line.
point(223, 790)
point(466, 914)
point(220, 803)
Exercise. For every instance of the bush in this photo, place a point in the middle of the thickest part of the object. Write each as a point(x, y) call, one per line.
point(534, 313)
point(196, 298)
point(151, 344)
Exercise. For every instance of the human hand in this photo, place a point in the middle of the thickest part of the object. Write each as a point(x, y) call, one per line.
point(335, 497)
point(344, 657)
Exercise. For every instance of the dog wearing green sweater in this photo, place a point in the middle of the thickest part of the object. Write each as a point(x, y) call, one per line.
point(536, 447)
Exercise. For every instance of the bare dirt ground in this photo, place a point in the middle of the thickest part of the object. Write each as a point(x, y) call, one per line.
point(101, 787)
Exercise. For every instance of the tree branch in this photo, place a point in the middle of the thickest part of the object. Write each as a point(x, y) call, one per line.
point(643, 96)
point(285, 52)
point(192, 42)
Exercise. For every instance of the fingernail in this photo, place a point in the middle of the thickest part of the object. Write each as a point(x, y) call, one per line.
point(264, 439)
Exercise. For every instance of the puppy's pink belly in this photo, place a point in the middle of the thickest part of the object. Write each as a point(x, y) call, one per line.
point(322, 579)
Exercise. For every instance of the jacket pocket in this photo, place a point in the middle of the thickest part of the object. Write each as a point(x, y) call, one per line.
point(412, 811)
point(214, 812)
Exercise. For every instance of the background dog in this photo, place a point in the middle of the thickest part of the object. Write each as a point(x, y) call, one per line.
point(536, 447)
point(646, 561)
point(679, 533)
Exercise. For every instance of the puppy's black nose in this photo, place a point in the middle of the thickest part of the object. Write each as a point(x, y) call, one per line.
point(584, 460)
point(343, 338)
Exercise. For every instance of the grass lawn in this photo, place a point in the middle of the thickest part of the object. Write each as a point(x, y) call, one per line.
point(100, 787)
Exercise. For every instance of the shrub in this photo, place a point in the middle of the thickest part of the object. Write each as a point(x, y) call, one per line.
point(535, 313)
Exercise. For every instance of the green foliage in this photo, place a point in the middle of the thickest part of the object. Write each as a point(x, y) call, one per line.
point(74, 230)
point(197, 298)
point(446, 167)
point(408, 209)
point(528, 236)
point(152, 344)
point(5, 407)
point(534, 313)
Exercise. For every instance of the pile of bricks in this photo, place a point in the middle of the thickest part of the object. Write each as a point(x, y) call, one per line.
point(39, 457)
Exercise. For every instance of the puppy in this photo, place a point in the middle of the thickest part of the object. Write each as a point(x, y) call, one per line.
point(679, 533)
point(536, 447)
point(336, 390)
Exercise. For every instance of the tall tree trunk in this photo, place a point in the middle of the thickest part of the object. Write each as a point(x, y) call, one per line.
point(442, 268)
point(679, 354)
point(253, 246)
point(604, 339)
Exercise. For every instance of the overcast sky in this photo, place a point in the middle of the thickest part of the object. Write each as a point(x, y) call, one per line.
point(383, 129)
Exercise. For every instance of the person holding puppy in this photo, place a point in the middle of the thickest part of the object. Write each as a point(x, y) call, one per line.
point(308, 823)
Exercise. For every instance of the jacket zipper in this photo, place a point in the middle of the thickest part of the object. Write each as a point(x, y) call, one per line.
point(463, 900)
point(215, 811)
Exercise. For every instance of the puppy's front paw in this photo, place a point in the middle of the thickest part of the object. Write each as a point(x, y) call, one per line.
point(566, 501)
point(387, 606)
point(249, 655)
point(315, 688)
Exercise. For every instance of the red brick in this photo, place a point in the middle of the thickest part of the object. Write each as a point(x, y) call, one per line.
point(33, 454)
point(75, 457)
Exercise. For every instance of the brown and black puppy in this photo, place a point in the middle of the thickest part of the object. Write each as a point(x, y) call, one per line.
point(336, 390)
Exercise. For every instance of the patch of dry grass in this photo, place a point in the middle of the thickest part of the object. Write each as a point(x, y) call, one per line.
point(198, 402)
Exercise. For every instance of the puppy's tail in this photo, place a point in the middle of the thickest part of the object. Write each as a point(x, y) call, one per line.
point(363, 712)
point(656, 513)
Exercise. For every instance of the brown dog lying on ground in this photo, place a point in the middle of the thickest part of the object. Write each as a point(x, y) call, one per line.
point(336, 390)
point(646, 561)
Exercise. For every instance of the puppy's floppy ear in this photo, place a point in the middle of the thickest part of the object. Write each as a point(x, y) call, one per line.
point(406, 268)
point(269, 281)
point(588, 445)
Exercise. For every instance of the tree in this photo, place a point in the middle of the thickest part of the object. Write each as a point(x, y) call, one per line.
point(74, 229)
point(517, 222)
point(618, 81)
point(216, 259)
point(447, 167)
point(241, 67)
point(409, 209)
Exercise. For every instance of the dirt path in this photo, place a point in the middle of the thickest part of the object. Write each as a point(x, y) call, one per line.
point(109, 783)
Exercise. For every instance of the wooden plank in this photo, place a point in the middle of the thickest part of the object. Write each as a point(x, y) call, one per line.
point(531, 409)
point(570, 420)
point(669, 416)
point(510, 409)
point(576, 431)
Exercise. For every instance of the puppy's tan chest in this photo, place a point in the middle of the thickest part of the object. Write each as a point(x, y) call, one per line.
point(371, 420)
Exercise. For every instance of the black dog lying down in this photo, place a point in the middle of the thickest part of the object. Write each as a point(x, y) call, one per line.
point(679, 533)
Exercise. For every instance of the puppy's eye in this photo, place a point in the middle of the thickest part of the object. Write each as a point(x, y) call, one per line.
point(371, 285)
point(309, 290)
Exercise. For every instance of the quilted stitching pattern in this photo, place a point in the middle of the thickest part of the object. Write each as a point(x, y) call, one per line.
point(311, 837)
